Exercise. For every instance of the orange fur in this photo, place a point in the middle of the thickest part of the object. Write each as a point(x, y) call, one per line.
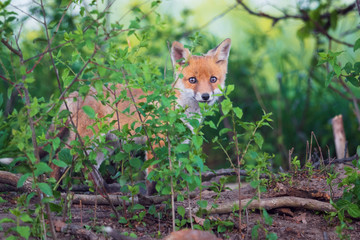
point(188, 234)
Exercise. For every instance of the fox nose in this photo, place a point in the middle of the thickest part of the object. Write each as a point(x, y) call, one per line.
point(205, 96)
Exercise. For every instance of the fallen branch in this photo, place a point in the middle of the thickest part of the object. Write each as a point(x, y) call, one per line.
point(12, 179)
point(92, 199)
point(77, 230)
point(335, 161)
point(272, 203)
point(302, 193)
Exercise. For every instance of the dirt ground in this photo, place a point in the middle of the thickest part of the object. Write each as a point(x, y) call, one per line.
point(288, 222)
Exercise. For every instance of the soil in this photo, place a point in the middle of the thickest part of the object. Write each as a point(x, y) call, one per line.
point(288, 223)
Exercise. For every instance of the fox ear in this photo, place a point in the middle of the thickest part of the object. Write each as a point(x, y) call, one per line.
point(178, 52)
point(221, 52)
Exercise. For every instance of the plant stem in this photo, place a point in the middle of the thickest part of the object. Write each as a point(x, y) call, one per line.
point(171, 183)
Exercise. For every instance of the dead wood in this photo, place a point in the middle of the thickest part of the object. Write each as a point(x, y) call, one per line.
point(302, 193)
point(206, 176)
point(12, 179)
point(339, 137)
point(92, 199)
point(272, 203)
point(337, 161)
point(78, 231)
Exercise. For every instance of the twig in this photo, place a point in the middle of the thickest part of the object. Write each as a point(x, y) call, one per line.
point(211, 20)
point(27, 14)
point(17, 52)
point(335, 161)
point(290, 154)
point(321, 156)
point(171, 183)
point(305, 17)
point(48, 48)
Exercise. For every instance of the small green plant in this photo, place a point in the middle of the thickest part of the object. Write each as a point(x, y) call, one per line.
point(295, 164)
point(348, 204)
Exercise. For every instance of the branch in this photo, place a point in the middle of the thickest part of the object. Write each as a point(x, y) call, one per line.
point(305, 17)
point(212, 20)
point(27, 14)
point(335, 161)
point(17, 52)
point(272, 203)
point(12, 180)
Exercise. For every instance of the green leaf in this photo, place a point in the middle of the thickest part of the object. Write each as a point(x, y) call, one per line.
point(2, 200)
point(337, 69)
point(348, 67)
point(258, 139)
point(134, 24)
point(24, 231)
point(56, 143)
point(64, 114)
point(353, 81)
point(357, 67)
point(267, 218)
point(329, 78)
point(89, 111)
point(210, 124)
point(221, 228)
point(7, 220)
point(135, 162)
point(229, 89)
point(64, 3)
point(226, 106)
point(181, 148)
point(138, 207)
point(26, 218)
point(202, 203)
point(197, 141)
point(181, 211)
point(353, 210)
point(59, 163)
point(22, 179)
point(65, 156)
point(122, 220)
point(357, 45)
point(41, 168)
point(224, 130)
point(238, 112)
point(303, 32)
point(45, 188)
point(271, 236)
point(255, 232)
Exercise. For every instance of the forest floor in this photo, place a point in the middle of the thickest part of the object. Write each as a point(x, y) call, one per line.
point(289, 221)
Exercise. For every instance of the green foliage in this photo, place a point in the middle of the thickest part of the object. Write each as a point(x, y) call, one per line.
point(89, 53)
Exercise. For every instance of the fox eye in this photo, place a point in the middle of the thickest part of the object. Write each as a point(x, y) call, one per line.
point(192, 80)
point(213, 79)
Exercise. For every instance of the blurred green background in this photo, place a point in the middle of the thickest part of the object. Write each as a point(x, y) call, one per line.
point(273, 64)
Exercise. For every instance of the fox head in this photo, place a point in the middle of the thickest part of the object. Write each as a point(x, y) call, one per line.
point(202, 75)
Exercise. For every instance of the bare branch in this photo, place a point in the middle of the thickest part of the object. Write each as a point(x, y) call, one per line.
point(27, 14)
point(305, 17)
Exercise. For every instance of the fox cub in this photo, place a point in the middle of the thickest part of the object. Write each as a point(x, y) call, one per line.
point(201, 81)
